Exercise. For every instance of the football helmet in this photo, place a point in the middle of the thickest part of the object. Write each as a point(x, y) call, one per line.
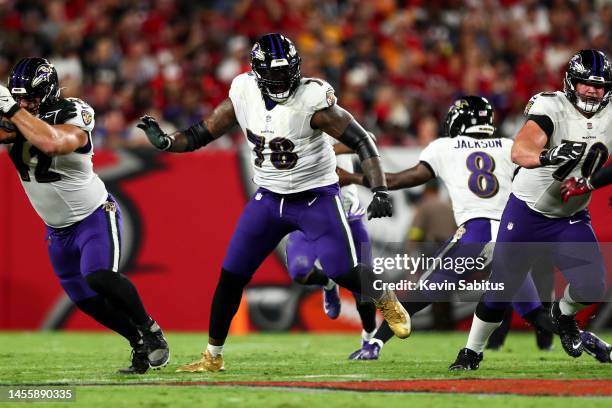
point(591, 67)
point(470, 116)
point(276, 65)
point(34, 78)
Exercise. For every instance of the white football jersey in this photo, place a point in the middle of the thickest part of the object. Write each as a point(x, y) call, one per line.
point(539, 187)
point(477, 173)
point(288, 155)
point(350, 199)
point(62, 189)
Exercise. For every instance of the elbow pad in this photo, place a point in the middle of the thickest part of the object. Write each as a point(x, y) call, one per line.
point(197, 136)
point(357, 138)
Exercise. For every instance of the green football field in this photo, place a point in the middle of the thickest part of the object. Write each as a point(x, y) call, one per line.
point(281, 365)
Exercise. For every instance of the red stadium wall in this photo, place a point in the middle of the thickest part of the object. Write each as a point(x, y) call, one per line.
point(187, 210)
point(186, 207)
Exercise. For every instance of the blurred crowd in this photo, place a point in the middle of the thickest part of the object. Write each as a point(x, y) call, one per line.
point(396, 65)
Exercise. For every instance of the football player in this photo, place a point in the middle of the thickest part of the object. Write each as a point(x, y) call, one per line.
point(567, 134)
point(285, 119)
point(52, 153)
point(476, 169)
point(302, 259)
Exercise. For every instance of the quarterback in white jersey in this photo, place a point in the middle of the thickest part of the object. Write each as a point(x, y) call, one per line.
point(567, 134)
point(476, 168)
point(286, 120)
point(52, 152)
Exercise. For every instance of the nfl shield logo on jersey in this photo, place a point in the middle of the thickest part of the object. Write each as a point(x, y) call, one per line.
point(510, 226)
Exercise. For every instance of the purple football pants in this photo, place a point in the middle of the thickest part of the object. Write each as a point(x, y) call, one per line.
point(301, 253)
point(525, 234)
point(469, 242)
point(269, 216)
point(90, 245)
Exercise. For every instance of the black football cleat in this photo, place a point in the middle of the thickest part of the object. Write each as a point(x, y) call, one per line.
point(466, 360)
point(544, 339)
point(158, 352)
point(568, 331)
point(140, 362)
point(596, 347)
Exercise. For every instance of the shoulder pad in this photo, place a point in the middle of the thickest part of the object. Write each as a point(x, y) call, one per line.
point(543, 103)
point(85, 118)
point(318, 94)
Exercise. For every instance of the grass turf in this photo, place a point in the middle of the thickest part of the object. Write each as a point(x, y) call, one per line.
point(92, 358)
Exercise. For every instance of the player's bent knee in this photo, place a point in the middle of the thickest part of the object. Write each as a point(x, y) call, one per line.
point(103, 280)
point(491, 312)
point(587, 294)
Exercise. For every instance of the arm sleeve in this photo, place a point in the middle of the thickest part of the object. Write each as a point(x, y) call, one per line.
point(602, 177)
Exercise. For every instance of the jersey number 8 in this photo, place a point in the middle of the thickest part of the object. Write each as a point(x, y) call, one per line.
point(482, 181)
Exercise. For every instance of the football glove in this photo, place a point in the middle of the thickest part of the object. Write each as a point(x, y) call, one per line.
point(572, 187)
point(156, 136)
point(8, 106)
point(563, 152)
point(67, 110)
point(381, 205)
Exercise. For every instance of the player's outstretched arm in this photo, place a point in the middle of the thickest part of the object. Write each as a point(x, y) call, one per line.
point(341, 125)
point(573, 187)
point(414, 176)
point(52, 140)
point(528, 149)
point(341, 148)
point(528, 145)
point(219, 122)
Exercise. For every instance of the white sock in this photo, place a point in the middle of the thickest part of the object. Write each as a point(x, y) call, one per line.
point(367, 336)
point(330, 285)
point(569, 306)
point(377, 341)
point(214, 350)
point(479, 334)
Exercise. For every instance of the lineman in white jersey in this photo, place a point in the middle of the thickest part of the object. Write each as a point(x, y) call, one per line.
point(567, 134)
point(302, 263)
point(285, 118)
point(476, 169)
point(52, 154)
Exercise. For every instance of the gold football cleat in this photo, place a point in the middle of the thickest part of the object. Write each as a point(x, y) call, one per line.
point(207, 363)
point(395, 314)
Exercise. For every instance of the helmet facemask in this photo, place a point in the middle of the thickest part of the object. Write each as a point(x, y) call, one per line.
point(34, 80)
point(276, 65)
point(583, 68)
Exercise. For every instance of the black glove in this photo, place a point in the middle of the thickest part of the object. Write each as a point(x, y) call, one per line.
point(558, 154)
point(66, 110)
point(381, 205)
point(156, 136)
